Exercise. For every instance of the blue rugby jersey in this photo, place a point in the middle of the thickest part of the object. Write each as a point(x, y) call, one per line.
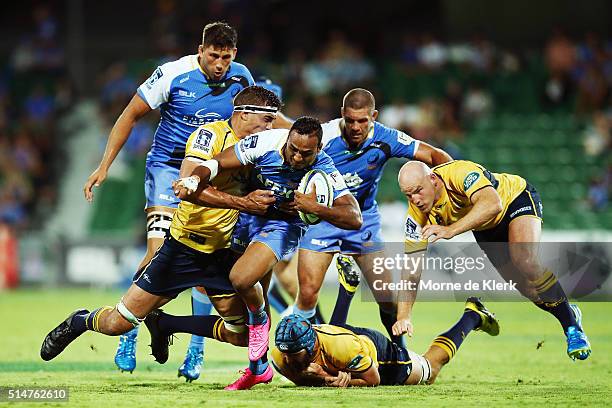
point(263, 151)
point(187, 99)
point(362, 168)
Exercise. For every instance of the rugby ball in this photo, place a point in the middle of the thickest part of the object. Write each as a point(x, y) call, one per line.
point(325, 192)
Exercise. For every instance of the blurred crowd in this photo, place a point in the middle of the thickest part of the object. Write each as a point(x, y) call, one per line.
point(571, 74)
point(34, 90)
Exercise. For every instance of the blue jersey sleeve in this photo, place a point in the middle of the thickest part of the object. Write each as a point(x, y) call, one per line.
point(402, 145)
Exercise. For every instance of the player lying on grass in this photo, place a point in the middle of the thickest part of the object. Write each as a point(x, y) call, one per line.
point(343, 355)
point(463, 196)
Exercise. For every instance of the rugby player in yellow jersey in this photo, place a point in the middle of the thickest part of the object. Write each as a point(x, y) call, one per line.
point(196, 252)
point(342, 355)
point(461, 196)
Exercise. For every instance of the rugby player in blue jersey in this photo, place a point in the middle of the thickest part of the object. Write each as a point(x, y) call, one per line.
point(189, 92)
point(280, 159)
point(359, 147)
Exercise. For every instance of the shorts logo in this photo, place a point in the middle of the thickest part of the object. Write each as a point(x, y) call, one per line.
point(146, 277)
point(318, 242)
point(470, 179)
point(153, 78)
point(202, 140)
point(520, 210)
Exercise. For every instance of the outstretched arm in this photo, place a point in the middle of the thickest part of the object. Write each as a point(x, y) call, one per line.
point(486, 206)
point(430, 155)
point(196, 177)
point(119, 134)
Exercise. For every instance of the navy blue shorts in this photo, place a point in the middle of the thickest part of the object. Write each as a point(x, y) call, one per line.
point(528, 203)
point(394, 365)
point(176, 267)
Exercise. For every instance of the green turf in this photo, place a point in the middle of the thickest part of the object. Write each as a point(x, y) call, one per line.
point(506, 370)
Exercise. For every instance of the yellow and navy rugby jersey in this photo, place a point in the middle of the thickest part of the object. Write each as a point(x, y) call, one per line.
point(339, 350)
point(461, 179)
point(203, 228)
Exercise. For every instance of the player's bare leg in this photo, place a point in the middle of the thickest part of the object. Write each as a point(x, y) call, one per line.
point(524, 242)
point(312, 266)
point(286, 273)
point(247, 275)
point(158, 224)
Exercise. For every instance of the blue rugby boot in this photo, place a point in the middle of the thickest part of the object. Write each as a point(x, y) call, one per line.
point(192, 365)
point(578, 346)
point(125, 357)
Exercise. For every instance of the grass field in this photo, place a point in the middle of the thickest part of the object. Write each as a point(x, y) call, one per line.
point(503, 371)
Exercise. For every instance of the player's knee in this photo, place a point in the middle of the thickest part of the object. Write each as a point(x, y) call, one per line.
point(308, 296)
point(240, 282)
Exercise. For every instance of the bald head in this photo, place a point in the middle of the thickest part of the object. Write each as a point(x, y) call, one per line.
point(359, 98)
point(411, 173)
point(418, 183)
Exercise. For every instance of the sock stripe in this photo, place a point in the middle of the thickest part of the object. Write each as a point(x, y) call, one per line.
point(449, 342)
point(545, 282)
point(96, 317)
point(217, 329)
point(446, 344)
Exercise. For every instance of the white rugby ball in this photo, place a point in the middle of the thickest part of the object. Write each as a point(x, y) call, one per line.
point(325, 192)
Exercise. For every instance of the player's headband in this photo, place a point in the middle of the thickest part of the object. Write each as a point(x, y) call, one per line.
point(256, 109)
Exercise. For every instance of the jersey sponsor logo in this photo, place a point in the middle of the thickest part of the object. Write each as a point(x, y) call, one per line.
point(352, 180)
point(412, 229)
point(166, 197)
point(251, 142)
point(404, 138)
point(201, 118)
point(278, 189)
point(187, 94)
point(470, 179)
point(520, 210)
point(202, 140)
point(183, 80)
point(354, 363)
point(154, 78)
point(318, 242)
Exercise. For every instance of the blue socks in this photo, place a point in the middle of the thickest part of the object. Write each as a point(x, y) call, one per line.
point(258, 316)
point(259, 367)
point(200, 306)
